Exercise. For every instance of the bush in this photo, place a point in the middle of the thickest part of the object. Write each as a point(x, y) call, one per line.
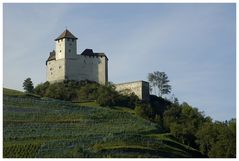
point(126, 100)
point(106, 96)
point(88, 92)
point(56, 91)
point(40, 89)
point(145, 110)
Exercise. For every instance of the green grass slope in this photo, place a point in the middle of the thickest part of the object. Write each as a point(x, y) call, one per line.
point(47, 128)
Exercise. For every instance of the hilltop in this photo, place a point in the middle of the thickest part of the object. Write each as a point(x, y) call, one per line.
point(40, 127)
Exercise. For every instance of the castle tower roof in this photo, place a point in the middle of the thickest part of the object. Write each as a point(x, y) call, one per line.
point(66, 34)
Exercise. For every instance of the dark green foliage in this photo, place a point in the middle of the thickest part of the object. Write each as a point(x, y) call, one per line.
point(40, 89)
point(86, 91)
point(145, 110)
point(68, 90)
point(159, 104)
point(28, 85)
point(159, 120)
point(58, 91)
point(218, 139)
point(126, 100)
point(192, 128)
point(106, 96)
point(21, 151)
point(183, 121)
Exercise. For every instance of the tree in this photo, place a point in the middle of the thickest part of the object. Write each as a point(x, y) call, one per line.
point(40, 89)
point(28, 85)
point(218, 140)
point(159, 80)
point(106, 96)
point(152, 82)
point(162, 83)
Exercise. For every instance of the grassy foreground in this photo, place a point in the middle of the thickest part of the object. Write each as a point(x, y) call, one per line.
point(44, 128)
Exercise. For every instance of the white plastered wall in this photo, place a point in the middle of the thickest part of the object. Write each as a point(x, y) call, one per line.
point(65, 48)
point(56, 70)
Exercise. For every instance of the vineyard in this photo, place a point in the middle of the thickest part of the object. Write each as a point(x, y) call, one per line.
point(46, 128)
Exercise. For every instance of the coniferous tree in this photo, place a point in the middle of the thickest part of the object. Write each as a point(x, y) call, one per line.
point(28, 85)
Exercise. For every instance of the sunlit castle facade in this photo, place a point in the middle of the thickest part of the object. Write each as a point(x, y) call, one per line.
point(63, 63)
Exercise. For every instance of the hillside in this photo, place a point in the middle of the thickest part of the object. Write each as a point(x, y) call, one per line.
point(42, 128)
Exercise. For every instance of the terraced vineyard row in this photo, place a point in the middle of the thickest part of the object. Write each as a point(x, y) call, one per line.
point(52, 128)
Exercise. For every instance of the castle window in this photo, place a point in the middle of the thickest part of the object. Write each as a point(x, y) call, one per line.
point(69, 50)
point(67, 39)
point(60, 50)
point(59, 67)
point(51, 73)
point(70, 44)
point(61, 40)
point(72, 40)
point(51, 69)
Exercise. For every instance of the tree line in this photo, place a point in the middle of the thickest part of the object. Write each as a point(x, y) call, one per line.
point(82, 91)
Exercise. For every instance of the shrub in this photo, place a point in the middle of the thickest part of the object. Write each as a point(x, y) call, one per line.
point(145, 110)
point(106, 96)
point(56, 91)
point(40, 89)
point(88, 91)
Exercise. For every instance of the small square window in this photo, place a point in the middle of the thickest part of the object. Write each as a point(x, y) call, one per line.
point(69, 50)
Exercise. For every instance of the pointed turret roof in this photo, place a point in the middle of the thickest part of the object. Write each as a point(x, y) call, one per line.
point(66, 34)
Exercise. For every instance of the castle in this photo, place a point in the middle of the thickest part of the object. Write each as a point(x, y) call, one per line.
point(64, 63)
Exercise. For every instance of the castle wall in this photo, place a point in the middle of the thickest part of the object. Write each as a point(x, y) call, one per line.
point(87, 68)
point(103, 70)
point(82, 68)
point(139, 88)
point(56, 70)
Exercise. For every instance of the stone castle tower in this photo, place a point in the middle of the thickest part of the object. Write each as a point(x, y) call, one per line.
point(64, 63)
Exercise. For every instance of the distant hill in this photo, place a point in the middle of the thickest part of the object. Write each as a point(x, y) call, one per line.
point(35, 127)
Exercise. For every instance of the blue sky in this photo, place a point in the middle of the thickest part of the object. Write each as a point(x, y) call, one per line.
point(195, 44)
